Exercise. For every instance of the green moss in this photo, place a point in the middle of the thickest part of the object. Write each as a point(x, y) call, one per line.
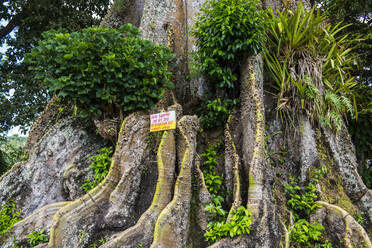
point(252, 182)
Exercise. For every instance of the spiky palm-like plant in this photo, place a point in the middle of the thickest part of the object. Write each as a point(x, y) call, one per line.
point(310, 64)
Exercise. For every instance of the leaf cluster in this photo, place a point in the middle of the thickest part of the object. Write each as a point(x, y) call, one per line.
point(9, 215)
point(310, 63)
point(101, 68)
point(217, 112)
point(301, 202)
point(100, 166)
point(238, 225)
point(212, 180)
point(304, 234)
point(37, 237)
point(227, 31)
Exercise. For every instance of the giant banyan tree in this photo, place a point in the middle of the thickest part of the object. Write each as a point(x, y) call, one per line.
point(283, 177)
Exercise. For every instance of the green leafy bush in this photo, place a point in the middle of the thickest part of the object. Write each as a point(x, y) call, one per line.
point(100, 165)
point(9, 215)
point(239, 224)
point(304, 234)
point(217, 112)
point(37, 237)
point(101, 69)
point(226, 31)
point(301, 202)
point(311, 63)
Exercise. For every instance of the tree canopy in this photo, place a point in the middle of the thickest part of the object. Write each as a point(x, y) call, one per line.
point(22, 23)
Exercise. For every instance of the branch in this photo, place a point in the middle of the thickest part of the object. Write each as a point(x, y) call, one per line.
point(14, 22)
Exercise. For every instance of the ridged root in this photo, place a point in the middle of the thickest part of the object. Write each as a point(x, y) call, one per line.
point(83, 215)
point(142, 233)
point(232, 160)
point(354, 234)
point(172, 226)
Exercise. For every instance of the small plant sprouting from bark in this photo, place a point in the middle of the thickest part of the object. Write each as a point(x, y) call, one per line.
point(101, 241)
point(239, 224)
point(37, 237)
point(100, 165)
point(219, 227)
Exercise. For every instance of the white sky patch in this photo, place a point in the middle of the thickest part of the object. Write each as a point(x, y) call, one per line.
point(16, 130)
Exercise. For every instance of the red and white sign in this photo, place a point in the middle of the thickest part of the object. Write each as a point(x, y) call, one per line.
point(163, 121)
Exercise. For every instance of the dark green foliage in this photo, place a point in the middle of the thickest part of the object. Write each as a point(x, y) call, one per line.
point(37, 237)
point(227, 31)
point(102, 69)
point(9, 215)
point(27, 20)
point(217, 112)
point(358, 15)
point(100, 165)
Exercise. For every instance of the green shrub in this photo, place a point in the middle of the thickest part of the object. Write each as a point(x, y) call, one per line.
point(226, 31)
point(100, 165)
point(37, 237)
point(9, 215)
point(101, 69)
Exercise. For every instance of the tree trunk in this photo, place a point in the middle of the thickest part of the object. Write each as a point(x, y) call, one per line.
point(155, 193)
